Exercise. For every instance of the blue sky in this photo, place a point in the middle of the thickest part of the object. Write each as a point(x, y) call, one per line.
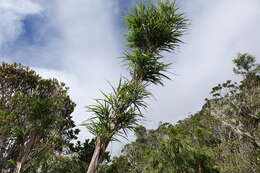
point(78, 42)
point(36, 32)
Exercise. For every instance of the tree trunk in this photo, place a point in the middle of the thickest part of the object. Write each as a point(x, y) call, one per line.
point(100, 148)
point(18, 167)
point(25, 152)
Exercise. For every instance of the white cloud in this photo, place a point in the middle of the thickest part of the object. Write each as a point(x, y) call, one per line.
point(12, 12)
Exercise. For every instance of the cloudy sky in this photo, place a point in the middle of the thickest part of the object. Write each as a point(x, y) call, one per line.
point(79, 42)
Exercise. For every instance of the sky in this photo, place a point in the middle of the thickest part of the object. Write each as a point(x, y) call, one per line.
point(79, 42)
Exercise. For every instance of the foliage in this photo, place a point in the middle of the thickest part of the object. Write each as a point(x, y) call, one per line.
point(236, 109)
point(153, 28)
point(34, 116)
point(146, 66)
point(111, 109)
point(166, 149)
point(85, 150)
point(245, 64)
point(75, 158)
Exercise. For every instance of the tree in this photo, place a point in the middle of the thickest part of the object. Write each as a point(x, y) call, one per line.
point(245, 64)
point(236, 109)
point(241, 101)
point(34, 117)
point(152, 29)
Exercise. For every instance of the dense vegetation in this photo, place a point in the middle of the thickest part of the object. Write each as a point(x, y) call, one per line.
point(38, 135)
point(35, 119)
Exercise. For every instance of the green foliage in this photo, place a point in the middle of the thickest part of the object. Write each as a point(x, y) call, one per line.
point(74, 158)
point(245, 64)
point(240, 102)
point(50, 163)
point(85, 150)
point(34, 116)
point(235, 109)
point(119, 110)
point(117, 166)
point(146, 66)
point(153, 28)
point(169, 149)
